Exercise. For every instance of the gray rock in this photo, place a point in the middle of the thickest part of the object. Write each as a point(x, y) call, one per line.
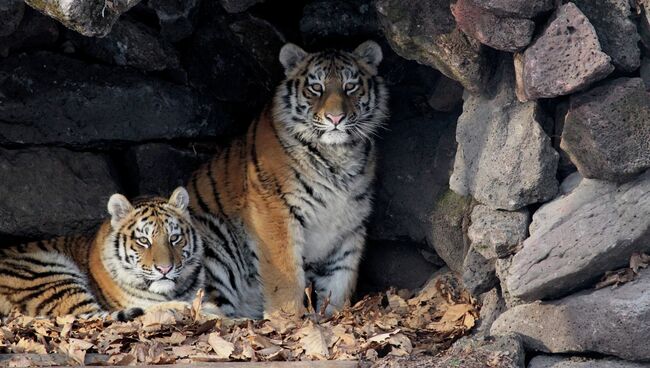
point(521, 8)
point(643, 22)
point(478, 273)
point(11, 13)
point(579, 236)
point(130, 44)
point(234, 63)
point(145, 172)
point(175, 17)
point(509, 347)
point(616, 32)
point(553, 361)
point(564, 166)
point(51, 99)
point(645, 72)
point(448, 235)
point(610, 321)
point(36, 31)
point(504, 33)
point(504, 158)
point(502, 268)
point(88, 17)
point(497, 234)
point(238, 6)
point(324, 19)
point(53, 191)
point(565, 58)
point(607, 130)
point(425, 31)
point(492, 306)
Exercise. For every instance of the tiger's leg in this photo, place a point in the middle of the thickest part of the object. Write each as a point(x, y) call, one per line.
point(280, 264)
point(336, 276)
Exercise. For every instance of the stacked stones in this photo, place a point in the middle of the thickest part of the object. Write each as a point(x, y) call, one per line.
point(572, 71)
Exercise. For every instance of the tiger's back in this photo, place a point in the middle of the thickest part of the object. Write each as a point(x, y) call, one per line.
point(47, 278)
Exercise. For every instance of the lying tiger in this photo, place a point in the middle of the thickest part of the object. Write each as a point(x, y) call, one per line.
point(286, 205)
point(147, 253)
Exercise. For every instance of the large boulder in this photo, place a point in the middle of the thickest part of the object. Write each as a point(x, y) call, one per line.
point(51, 99)
point(520, 8)
point(35, 31)
point(53, 191)
point(450, 219)
point(645, 72)
point(241, 63)
point(566, 57)
point(616, 32)
point(506, 33)
point(130, 43)
point(504, 159)
point(495, 233)
point(176, 18)
point(238, 6)
point(88, 17)
point(425, 31)
point(479, 274)
point(330, 19)
point(609, 321)
point(575, 239)
point(11, 13)
point(607, 130)
point(558, 361)
point(158, 168)
point(507, 351)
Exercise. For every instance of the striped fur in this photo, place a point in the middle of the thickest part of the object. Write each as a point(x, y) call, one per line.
point(286, 204)
point(119, 269)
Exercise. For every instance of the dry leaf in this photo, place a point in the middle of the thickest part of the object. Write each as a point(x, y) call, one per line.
point(221, 347)
point(638, 261)
point(196, 304)
point(315, 340)
point(29, 346)
point(75, 349)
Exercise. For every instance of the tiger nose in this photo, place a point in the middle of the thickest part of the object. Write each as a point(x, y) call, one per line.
point(164, 269)
point(335, 119)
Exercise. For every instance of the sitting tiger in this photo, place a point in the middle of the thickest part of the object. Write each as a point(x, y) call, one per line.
point(285, 206)
point(148, 252)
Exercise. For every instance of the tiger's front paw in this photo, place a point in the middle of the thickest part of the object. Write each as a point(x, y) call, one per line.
point(129, 314)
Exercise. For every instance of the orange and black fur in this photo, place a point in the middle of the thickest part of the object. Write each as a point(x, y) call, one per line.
point(148, 252)
point(287, 204)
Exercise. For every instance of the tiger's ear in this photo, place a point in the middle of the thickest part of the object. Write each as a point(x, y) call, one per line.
point(119, 207)
point(370, 52)
point(180, 198)
point(290, 56)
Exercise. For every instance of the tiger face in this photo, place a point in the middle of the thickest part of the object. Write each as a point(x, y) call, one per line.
point(155, 245)
point(331, 97)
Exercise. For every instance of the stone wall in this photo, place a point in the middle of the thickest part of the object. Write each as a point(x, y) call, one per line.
point(517, 153)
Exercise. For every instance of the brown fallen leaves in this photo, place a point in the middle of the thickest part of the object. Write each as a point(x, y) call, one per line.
point(387, 324)
point(627, 274)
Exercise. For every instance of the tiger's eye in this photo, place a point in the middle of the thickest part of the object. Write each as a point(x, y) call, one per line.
point(143, 241)
point(316, 87)
point(349, 87)
point(174, 238)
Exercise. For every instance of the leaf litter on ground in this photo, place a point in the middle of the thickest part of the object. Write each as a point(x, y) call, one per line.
point(380, 326)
